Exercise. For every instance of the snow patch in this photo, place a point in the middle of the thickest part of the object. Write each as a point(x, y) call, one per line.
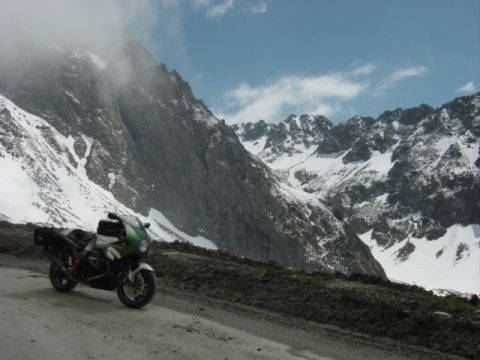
point(71, 96)
point(296, 155)
point(256, 146)
point(471, 152)
point(381, 198)
point(111, 180)
point(380, 162)
point(198, 240)
point(435, 264)
point(201, 114)
point(19, 194)
point(444, 143)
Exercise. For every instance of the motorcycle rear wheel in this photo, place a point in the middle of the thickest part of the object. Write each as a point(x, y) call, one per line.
point(138, 294)
point(59, 280)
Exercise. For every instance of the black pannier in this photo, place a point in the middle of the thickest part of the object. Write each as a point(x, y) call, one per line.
point(110, 228)
point(46, 236)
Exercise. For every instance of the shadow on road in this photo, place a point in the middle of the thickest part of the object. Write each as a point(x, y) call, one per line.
point(79, 299)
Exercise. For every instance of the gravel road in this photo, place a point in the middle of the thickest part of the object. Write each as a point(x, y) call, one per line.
point(36, 322)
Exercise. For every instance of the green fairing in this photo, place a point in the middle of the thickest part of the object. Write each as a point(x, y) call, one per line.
point(134, 235)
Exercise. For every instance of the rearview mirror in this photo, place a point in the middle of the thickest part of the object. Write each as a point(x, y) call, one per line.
point(112, 216)
point(147, 225)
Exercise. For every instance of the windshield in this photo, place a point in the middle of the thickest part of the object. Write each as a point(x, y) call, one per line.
point(132, 220)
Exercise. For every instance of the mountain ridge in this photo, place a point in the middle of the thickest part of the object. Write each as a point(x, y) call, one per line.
point(408, 175)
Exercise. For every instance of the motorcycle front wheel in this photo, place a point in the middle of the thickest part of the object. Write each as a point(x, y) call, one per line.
point(138, 294)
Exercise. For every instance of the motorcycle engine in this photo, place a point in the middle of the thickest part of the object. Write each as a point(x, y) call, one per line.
point(95, 265)
point(98, 263)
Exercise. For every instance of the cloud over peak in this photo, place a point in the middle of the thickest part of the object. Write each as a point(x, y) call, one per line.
point(322, 94)
point(399, 75)
point(404, 73)
point(319, 94)
point(469, 87)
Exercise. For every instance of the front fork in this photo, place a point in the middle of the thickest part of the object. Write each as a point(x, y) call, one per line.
point(131, 274)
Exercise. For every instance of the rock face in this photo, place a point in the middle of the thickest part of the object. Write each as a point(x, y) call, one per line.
point(408, 182)
point(125, 132)
point(294, 137)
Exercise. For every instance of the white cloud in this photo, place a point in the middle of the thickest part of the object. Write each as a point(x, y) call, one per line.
point(290, 94)
point(467, 88)
point(98, 23)
point(259, 8)
point(220, 9)
point(399, 75)
point(365, 69)
point(213, 8)
point(217, 8)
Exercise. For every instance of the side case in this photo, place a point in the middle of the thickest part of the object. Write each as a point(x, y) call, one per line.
point(44, 236)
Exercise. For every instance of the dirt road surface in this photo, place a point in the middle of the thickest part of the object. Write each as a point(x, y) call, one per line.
point(36, 322)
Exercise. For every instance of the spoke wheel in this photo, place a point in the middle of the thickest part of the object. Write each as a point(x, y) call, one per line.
point(137, 294)
point(139, 288)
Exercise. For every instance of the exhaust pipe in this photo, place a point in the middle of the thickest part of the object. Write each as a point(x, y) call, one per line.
point(60, 265)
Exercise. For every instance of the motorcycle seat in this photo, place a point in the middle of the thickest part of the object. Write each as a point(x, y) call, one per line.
point(80, 237)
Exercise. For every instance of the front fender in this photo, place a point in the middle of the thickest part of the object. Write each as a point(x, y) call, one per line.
point(142, 266)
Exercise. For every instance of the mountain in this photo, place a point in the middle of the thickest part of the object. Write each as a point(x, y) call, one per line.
point(408, 183)
point(87, 130)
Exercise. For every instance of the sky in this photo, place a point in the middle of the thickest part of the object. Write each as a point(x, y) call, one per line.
point(265, 59)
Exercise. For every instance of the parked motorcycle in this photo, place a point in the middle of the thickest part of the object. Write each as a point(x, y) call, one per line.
point(107, 259)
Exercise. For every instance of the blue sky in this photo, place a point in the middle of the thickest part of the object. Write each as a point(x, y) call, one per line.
point(252, 59)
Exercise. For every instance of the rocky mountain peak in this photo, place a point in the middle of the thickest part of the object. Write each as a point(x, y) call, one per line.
point(252, 131)
point(291, 136)
point(407, 182)
point(306, 129)
point(406, 117)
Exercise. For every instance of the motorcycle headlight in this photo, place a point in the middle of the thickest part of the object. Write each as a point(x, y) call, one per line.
point(143, 246)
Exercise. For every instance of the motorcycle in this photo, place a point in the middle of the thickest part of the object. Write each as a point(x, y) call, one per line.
point(107, 259)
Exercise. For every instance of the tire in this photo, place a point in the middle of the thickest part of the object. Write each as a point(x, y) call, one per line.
point(59, 280)
point(137, 295)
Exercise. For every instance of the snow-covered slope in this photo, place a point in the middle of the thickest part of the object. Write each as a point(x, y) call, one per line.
point(450, 262)
point(43, 179)
point(408, 183)
point(285, 144)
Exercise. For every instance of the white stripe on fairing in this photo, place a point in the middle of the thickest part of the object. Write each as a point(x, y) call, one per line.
point(110, 255)
point(115, 252)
